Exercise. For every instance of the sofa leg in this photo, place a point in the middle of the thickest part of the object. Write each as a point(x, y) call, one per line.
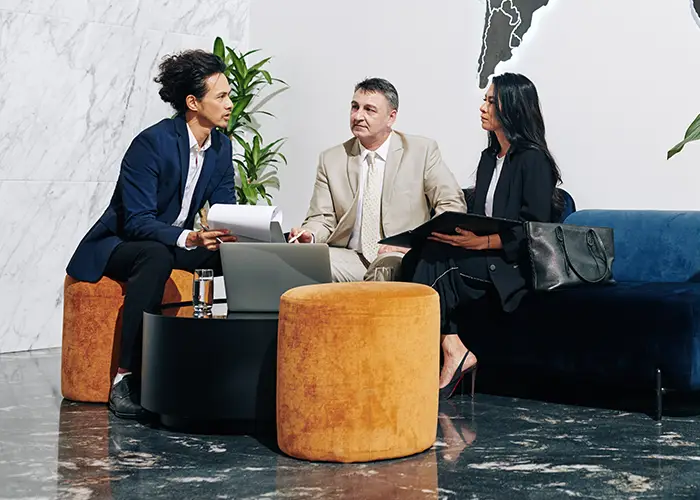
point(660, 391)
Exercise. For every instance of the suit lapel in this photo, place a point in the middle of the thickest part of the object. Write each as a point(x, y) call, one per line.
point(500, 197)
point(341, 233)
point(211, 156)
point(183, 146)
point(391, 168)
point(484, 174)
point(354, 167)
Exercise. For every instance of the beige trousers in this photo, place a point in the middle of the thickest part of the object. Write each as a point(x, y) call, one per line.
point(348, 265)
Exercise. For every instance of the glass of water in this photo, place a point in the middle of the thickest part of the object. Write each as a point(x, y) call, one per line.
point(203, 292)
point(384, 274)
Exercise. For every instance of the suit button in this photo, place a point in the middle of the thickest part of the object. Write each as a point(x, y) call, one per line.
point(492, 267)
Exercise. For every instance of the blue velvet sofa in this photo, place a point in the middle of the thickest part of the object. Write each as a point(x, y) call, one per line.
point(642, 332)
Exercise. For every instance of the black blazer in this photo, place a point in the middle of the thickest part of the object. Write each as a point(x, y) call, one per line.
point(524, 192)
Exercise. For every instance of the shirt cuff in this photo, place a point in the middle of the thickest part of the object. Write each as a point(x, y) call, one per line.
point(182, 240)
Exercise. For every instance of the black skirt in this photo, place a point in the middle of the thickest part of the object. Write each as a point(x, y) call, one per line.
point(458, 276)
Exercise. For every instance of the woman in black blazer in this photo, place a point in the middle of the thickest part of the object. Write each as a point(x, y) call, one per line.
point(515, 179)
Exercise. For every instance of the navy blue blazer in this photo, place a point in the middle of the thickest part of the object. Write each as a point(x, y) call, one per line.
point(148, 196)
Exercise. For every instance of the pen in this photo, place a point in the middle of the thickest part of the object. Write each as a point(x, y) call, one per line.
point(297, 236)
point(206, 228)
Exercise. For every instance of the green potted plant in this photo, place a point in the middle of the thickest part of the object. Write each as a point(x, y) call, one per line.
point(257, 163)
point(692, 134)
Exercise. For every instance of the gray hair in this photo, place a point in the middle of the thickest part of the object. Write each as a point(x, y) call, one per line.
point(381, 86)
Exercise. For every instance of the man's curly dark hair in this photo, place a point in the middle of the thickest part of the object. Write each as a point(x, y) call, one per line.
point(185, 73)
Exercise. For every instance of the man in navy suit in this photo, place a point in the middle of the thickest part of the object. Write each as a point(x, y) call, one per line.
point(169, 171)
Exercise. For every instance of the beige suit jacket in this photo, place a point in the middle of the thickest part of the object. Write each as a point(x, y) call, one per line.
point(416, 180)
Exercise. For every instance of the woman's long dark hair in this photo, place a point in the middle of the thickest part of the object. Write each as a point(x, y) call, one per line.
point(518, 110)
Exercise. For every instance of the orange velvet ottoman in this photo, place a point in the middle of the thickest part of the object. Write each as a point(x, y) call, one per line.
point(357, 371)
point(92, 332)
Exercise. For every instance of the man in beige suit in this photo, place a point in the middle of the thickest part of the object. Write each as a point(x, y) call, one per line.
point(378, 184)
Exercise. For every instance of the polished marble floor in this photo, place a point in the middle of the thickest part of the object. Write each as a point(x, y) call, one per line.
point(494, 447)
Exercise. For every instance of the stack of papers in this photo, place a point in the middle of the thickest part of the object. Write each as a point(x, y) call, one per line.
point(251, 223)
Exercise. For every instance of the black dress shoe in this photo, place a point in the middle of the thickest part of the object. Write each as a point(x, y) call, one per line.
point(125, 399)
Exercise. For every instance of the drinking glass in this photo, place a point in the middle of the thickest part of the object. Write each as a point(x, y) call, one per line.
point(203, 292)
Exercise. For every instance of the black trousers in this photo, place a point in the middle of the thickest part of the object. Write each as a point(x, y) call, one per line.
point(458, 276)
point(145, 266)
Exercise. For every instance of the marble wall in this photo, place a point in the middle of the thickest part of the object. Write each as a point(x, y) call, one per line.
point(76, 85)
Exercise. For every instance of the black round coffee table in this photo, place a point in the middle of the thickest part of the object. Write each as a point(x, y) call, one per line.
point(221, 368)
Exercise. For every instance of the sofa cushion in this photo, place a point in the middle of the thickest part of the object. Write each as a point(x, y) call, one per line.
point(650, 245)
point(619, 332)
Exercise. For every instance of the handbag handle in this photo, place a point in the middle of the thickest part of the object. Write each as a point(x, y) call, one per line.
point(591, 236)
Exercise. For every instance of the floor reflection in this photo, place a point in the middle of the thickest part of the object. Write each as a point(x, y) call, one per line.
point(457, 433)
point(490, 447)
point(101, 456)
point(410, 478)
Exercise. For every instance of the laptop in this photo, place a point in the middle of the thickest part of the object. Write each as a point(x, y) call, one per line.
point(276, 235)
point(257, 274)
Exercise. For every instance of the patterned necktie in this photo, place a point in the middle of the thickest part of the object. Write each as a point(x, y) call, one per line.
point(370, 230)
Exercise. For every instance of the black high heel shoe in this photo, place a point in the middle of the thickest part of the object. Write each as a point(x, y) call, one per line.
point(449, 390)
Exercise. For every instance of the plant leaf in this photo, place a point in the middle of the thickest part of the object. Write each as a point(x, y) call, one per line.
point(232, 122)
point(273, 182)
point(242, 142)
point(251, 130)
point(266, 176)
point(240, 105)
point(267, 76)
point(272, 144)
point(251, 83)
point(241, 165)
point(219, 50)
point(692, 134)
point(250, 52)
point(243, 176)
point(267, 113)
point(270, 151)
point(256, 150)
point(238, 63)
point(259, 65)
point(251, 195)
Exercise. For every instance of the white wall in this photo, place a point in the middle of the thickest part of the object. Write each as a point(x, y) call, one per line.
point(618, 82)
point(77, 86)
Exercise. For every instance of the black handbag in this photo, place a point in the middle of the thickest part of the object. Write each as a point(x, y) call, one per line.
point(565, 255)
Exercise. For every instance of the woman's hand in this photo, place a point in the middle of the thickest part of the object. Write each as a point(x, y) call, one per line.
point(388, 249)
point(464, 239)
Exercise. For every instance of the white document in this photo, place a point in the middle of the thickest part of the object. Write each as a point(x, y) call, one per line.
point(257, 223)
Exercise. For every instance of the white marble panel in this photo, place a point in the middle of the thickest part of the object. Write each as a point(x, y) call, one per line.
point(205, 18)
point(77, 86)
point(67, 86)
point(145, 106)
point(121, 12)
point(46, 220)
point(76, 95)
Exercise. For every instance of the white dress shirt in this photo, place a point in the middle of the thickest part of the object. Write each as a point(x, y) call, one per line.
point(195, 169)
point(382, 153)
point(488, 207)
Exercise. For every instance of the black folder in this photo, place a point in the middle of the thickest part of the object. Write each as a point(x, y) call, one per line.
point(446, 223)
